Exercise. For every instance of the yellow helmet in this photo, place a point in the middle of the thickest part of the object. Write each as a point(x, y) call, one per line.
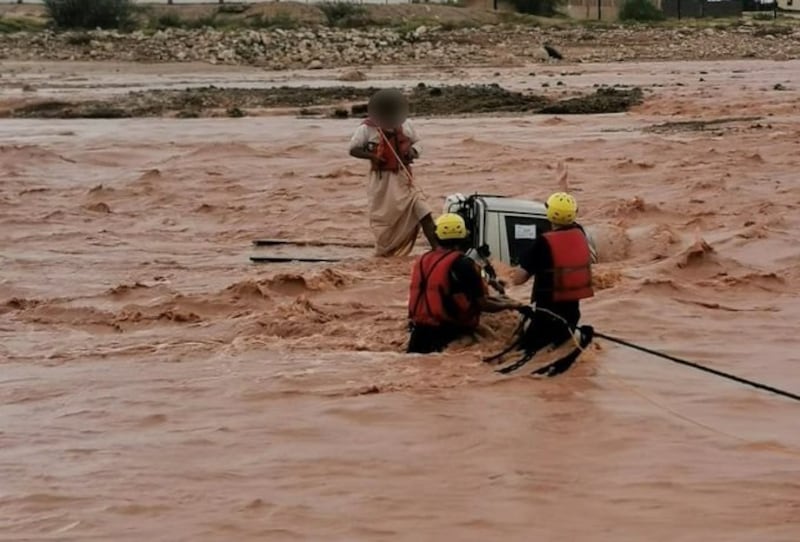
point(451, 226)
point(562, 209)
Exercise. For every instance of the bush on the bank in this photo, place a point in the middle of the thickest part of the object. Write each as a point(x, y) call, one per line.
point(259, 21)
point(344, 14)
point(545, 8)
point(640, 10)
point(168, 20)
point(764, 16)
point(173, 20)
point(90, 14)
point(12, 25)
point(279, 20)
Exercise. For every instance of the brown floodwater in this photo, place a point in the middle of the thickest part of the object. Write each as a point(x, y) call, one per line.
point(156, 385)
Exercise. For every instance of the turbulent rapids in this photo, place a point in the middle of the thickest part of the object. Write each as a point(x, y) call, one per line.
point(158, 385)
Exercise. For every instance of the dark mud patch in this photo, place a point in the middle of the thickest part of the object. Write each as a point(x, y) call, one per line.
point(194, 102)
point(464, 99)
point(67, 110)
point(604, 100)
point(697, 125)
point(459, 100)
point(337, 102)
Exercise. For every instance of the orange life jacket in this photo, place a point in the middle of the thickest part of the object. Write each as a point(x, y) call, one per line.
point(572, 265)
point(396, 140)
point(430, 301)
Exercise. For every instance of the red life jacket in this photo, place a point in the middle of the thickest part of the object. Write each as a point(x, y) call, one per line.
point(396, 140)
point(572, 265)
point(430, 295)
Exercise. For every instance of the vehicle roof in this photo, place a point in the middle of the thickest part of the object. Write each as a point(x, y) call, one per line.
point(513, 205)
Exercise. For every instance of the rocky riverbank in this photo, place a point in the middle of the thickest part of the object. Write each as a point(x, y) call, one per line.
point(324, 47)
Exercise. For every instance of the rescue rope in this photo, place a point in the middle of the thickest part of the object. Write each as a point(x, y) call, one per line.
point(699, 367)
point(770, 447)
point(634, 390)
point(684, 362)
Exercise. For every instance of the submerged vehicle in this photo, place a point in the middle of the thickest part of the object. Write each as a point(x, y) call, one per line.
point(502, 228)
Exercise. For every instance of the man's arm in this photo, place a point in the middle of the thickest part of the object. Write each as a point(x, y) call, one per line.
point(359, 144)
point(496, 304)
point(411, 133)
point(362, 153)
point(528, 264)
point(471, 282)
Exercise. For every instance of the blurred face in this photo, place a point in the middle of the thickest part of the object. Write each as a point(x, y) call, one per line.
point(389, 110)
point(400, 113)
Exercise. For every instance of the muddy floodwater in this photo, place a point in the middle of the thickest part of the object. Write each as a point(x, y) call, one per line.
point(156, 385)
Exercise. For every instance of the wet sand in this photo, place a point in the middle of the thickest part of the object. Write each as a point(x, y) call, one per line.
point(156, 385)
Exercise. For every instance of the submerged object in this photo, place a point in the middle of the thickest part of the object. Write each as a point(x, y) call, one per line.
point(502, 228)
point(286, 259)
point(584, 333)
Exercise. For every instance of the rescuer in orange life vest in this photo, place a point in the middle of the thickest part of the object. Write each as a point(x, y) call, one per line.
point(561, 263)
point(447, 293)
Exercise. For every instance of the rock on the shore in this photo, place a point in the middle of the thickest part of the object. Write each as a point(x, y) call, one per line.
point(353, 76)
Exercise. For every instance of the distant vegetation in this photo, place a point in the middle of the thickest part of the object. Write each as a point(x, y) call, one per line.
point(9, 25)
point(545, 8)
point(91, 14)
point(336, 14)
point(127, 15)
point(173, 20)
point(346, 14)
point(640, 10)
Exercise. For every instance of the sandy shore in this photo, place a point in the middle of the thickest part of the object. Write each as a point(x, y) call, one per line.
point(156, 385)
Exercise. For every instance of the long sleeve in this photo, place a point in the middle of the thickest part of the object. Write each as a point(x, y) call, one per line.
point(531, 260)
point(411, 132)
point(361, 137)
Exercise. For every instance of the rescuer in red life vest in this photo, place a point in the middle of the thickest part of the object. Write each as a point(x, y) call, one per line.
point(447, 294)
point(561, 263)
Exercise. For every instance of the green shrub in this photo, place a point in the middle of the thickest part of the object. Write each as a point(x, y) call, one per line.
point(233, 8)
point(90, 14)
point(216, 18)
point(763, 16)
point(640, 10)
point(279, 20)
point(545, 8)
point(206, 21)
point(10, 25)
point(169, 20)
point(345, 14)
